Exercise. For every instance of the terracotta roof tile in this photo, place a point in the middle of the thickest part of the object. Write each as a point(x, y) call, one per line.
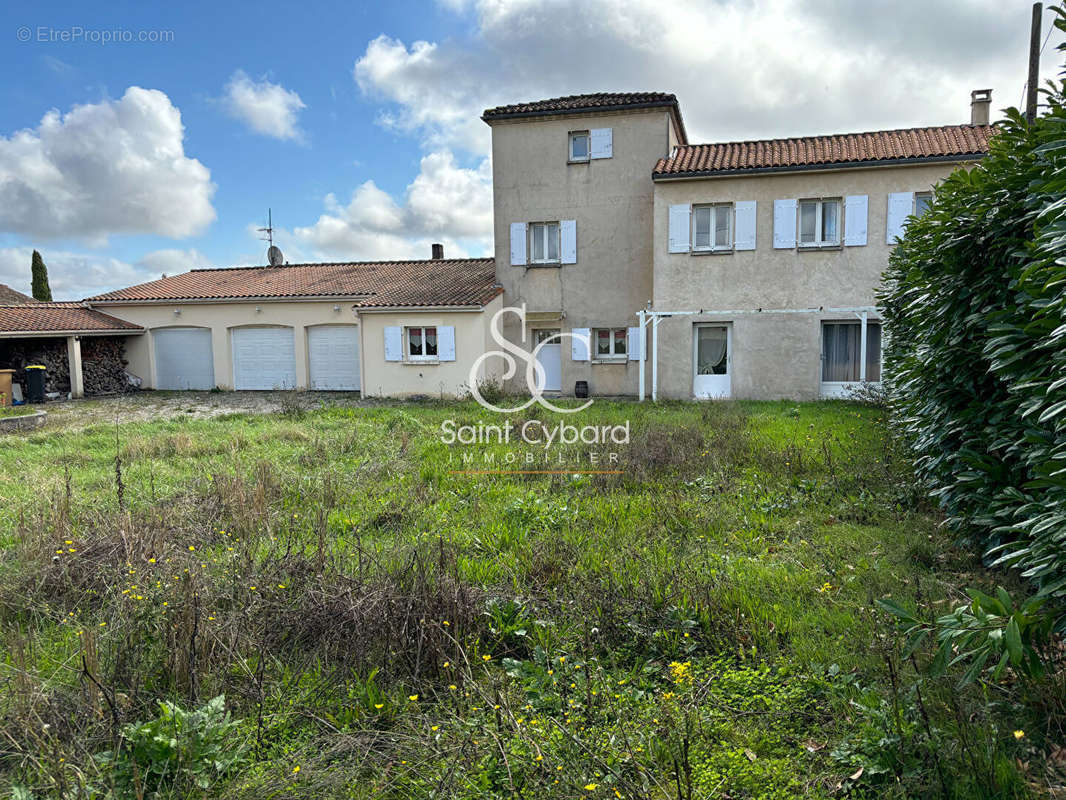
point(590, 103)
point(9, 295)
point(848, 148)
point(58, 318)
point(434, 282)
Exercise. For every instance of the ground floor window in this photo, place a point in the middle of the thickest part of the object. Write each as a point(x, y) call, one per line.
point(609, 342)
point(842, 352)
point(422, 343)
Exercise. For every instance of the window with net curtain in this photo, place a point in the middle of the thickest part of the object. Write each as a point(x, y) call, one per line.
point(842, 351)
point(711, 355)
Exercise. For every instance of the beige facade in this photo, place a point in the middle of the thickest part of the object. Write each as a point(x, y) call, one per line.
point(773, 355)
point(610, 199)
point(378, 377)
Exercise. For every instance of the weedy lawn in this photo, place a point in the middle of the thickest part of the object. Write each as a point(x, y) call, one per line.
point(700, 623)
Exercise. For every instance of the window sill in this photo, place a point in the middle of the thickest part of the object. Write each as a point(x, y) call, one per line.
point(610, 360)
point(813, 248)
point(721, 252)
point(579, 161)
point(421, 362)
point(544, 264)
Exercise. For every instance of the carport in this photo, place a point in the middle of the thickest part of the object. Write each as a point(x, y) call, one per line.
point(54, 333)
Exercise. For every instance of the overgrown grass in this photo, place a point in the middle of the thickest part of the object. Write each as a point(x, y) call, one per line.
point(696, 619)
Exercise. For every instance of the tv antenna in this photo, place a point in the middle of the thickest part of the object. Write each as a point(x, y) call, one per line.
point(274, 255)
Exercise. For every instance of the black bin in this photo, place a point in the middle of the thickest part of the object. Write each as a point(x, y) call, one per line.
point(581, 389)
point(35, 384)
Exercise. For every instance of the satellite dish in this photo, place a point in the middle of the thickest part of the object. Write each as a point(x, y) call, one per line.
point(274, 256)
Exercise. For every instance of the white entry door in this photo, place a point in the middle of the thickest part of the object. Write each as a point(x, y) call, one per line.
point(550, 359)
point(713, 351)
point(183, 358)
point(333, 351)
point(263, 358)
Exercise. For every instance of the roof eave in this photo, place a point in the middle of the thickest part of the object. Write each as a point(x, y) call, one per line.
point(835, 165)
point(569, 112)
point(60, 333)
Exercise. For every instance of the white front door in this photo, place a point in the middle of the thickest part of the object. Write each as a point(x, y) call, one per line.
point(550, 359)
point(263, 358)
point(713, 359)
point(333, 351)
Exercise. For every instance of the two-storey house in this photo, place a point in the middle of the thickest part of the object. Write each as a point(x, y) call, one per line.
point(735, 269)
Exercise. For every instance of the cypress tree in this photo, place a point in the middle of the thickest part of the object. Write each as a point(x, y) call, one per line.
point(41, 290)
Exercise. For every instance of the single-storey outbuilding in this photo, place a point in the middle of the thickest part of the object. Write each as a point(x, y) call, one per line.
point(31, 332)
point(385, 328)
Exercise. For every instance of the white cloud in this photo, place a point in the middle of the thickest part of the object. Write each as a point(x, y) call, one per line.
point(740, 69)
point(267, 108)
point(117, 166)
point(445, 203)
point(173, 261)
point(71, 275)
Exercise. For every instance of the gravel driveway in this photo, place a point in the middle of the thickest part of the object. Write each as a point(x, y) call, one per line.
point(146, 406)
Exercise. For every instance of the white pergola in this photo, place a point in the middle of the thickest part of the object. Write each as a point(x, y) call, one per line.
point(649, 316)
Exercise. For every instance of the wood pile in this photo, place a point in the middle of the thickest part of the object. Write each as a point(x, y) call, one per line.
point(16, 354)
point(103, 365)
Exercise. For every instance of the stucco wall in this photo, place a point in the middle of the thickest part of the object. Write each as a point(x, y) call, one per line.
point(611, 200)
point(378, 377)
point(774, 355)
point(445, 378)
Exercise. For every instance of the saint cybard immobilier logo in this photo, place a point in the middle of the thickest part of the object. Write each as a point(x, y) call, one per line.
point(544, 446)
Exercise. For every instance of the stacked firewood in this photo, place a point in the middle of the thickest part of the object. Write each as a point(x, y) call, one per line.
point(103, 365)
point(17, 354)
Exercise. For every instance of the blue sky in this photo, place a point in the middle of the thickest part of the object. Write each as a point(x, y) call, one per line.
point(358, 124)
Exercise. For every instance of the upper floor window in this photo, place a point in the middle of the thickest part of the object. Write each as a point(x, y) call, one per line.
point(819, 222)
point(422, 344)
point(712, 227)
point(579, 146)
point(609, 342)
point(544, 242)
point(921, 202)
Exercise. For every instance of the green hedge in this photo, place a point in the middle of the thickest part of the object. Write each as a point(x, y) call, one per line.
point(975, 315)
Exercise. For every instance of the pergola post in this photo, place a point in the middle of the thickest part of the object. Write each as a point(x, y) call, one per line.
point(77, 379)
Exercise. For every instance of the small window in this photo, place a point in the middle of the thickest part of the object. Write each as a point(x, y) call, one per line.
point(609, 343)
point(712, 227)
point(921, 202)
point(546, 336)
point(544, 243)
point(579, 146)
point(842, 352)
point(819, 223)
point(422, 344)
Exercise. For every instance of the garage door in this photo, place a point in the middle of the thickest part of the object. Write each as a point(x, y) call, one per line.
point(183, 358)
point(334, 355)
point(263, 358)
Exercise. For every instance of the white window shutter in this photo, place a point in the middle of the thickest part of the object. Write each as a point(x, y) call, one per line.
point(784, 224)
point(580, 339)
point(636, 344)
point(900, 206)
point(744, 225)
point(446, 343)
point(393, 343)
point(568, 237)
point(856, 213)
point(600, 143)
point(679, 221)
point(518, 244)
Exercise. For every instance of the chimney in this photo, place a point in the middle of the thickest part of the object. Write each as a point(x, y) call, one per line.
point(438, 249)
point(980, 105)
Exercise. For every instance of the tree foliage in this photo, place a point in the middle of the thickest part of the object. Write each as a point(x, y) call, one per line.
point(975, 312)
point(41, 289)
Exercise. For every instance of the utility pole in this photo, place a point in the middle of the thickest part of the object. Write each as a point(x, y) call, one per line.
point(1034, 63)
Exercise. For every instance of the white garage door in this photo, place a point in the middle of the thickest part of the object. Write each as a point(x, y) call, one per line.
point(263, 358)
point(334, 354)
point(183, 358)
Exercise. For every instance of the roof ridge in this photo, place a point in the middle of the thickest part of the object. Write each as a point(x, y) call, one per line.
point(339, 264)
point(965, 125)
